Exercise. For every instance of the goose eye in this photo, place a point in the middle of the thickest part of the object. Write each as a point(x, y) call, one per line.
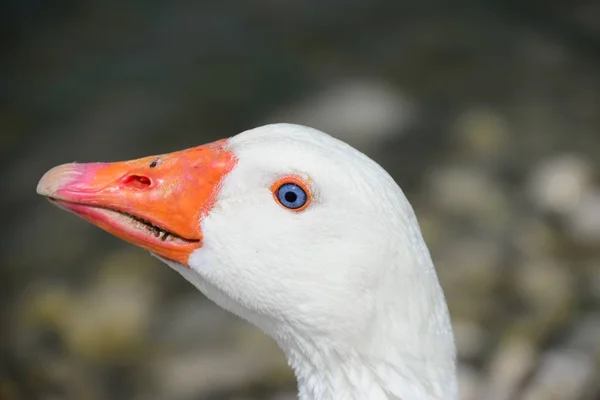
point(291, 196)
point(292, 193)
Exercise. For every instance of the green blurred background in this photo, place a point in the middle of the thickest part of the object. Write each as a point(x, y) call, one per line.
point(487, 113)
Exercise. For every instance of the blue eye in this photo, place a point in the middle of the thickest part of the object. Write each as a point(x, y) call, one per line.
point(291, 196)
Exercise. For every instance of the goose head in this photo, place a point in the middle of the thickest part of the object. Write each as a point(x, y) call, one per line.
point(301, 235)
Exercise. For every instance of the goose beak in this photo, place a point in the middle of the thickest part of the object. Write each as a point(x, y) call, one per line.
point(155, 202)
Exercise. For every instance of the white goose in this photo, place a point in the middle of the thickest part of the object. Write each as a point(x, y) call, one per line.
point(298, 233)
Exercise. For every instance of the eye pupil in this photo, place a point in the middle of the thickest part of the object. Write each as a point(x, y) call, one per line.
point(291, 195)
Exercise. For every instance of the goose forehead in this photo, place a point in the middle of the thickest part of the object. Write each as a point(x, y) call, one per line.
point(282, 134)
point(286, 148)
point(292, 141)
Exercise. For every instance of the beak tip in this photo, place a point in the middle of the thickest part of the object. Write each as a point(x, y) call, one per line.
point(57, 178)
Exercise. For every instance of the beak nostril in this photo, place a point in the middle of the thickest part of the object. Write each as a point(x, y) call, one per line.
point(137, 181)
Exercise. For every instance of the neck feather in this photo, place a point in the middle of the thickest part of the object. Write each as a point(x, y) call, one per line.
point(326, 371)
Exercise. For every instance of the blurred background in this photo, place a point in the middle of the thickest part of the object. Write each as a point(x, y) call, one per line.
point(487, 113)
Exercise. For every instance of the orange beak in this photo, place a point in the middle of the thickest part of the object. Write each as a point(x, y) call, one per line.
point(154, 202)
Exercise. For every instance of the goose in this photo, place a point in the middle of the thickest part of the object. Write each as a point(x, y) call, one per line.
point(301, 235)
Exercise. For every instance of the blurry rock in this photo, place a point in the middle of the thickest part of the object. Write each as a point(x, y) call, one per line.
point(37, 320)
point(110, 319)
point(192, 322)
point(593, 279)
point(362, 113)
point(469, 192)
point(586, 335)
point(469, 269)
point(549, 291)
point(201, 370)
point(482, 134)
point(198, 372)
point(511, 364)
point(469, 381)
point(61, 240)
point(45, 304)
point(471, 265)
point(584, 220)
point(533, 237)
point(563, 375)
point(557, 185)
point(470, 339)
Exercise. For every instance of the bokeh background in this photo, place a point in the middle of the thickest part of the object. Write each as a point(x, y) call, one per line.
point(486, 112)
